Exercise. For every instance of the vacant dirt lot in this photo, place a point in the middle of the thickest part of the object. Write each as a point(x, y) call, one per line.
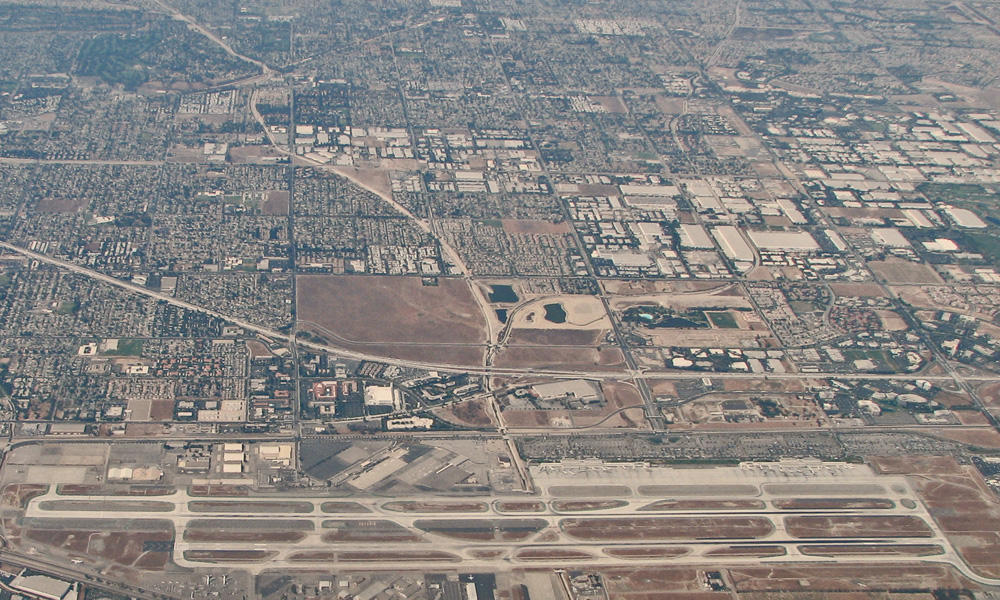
point(83, 489)
point(377, 313)
point(482, 529)
point(19, 494)
point(222, 535)
point(435, 506)
point(276, 203)
point(859, 290)
point(638, 552)
point(666, 505)
point(761, 551)
point(367, 531)
point(554, 554)
point(149, 550)
point(667, 528)
point(62, 204)
point(832, 503)
point(472, 413)
point(530, 506)
point(857, 526)
point(718, 489)
point(648, 582)
point(590, 491)
point(109, 506)
point(581, 505)
point(228, 555)
point(859, 577)
point(268, 507)
point(343, 507)
point(896, 549)
point(534, 227)
point(396, 556)
point(606, 358)
point(897, 270)
point(990, 394)
point(221, 490)
point(960, 502)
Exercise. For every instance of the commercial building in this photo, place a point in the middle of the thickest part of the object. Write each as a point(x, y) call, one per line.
point(580, 389)
point(964, 217)
point(733, 244)
point(788, 241)
point(890, 237)
point(43, 586)
point(381, 395)
point(694, 236)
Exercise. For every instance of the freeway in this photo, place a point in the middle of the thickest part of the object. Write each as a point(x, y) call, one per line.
point(641, 373)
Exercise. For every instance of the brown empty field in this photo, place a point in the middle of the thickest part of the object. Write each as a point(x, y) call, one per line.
point(108, 506)
point(483, 529)
point(249, 524)
point(582, 505)
point(648, 582)
point(849, 549)
point(534, 227)
point(860, 577)
point(824, 489)
point(699, 490)
point(858, 290)
point(431, 506)
point(959, 501)
point(553, 554)
point(161, 409)
point(990, 394)
point(343, 507)
point(831, 503)
point(81, 489)
point(856, 526)
point(666, 505)
point(897, 270)
point(640, 552)
point(374, 180)
point(276, 203)
point(128, 548)
point(367, 531)
point(62, 204)
point(313, 556)
point(228, 555)
point(224, 535)
point(383, 314)
point(590, 491)
point(666, 528)
point(221, 490)
point(472, 413)
point(560, 358)
point(427, 555)
point(19, 494)
point(487, 554)
point(985, 438)
point(531, 506)
point(758, 551)
point(555, 337)
point(264, 507)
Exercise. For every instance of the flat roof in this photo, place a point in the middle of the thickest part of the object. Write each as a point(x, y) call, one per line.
point(964, 217)
point(694, 236)
point(732, 243)
point(890, 236)
point(795, 241)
